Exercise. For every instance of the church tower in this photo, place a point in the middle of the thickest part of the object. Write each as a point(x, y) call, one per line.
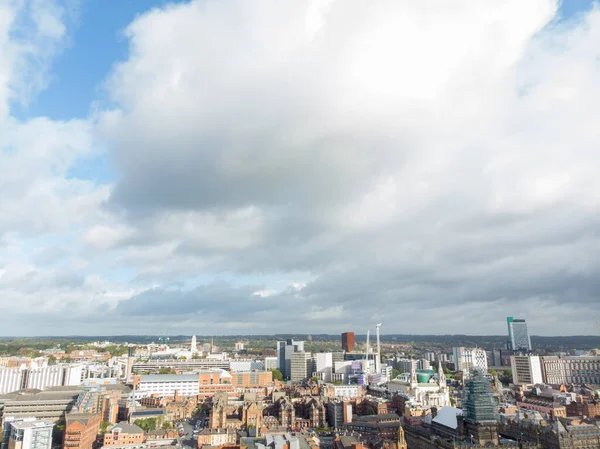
point(401, 440)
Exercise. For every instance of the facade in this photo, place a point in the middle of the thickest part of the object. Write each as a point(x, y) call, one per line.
point(285, 349)
point(407, 365)
point(11, 379)
point(30, 434)
point(348, 341)
point(252, 379)
point(50, 404)
point(97, 399)
point(81, 430)
point(168, 384)
point(467, 359)
point(518, 335)
point(323, 366)
point(180, 365)
point(572, 369)
point(338, 413)
point(270, 363)
point(526, 369)
point(123, 434)
point(300, 366)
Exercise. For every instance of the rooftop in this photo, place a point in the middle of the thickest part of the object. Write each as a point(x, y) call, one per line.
point(125, 427)
point(170, 378)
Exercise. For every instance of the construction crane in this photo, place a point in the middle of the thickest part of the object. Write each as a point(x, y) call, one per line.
point(378, 356)
point(366, 360)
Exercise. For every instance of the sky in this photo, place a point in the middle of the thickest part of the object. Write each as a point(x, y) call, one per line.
point(231, 167)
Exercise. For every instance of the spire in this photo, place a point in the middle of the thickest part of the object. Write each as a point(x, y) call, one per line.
point(413, 373)
point(441, 375)
point(401, 439)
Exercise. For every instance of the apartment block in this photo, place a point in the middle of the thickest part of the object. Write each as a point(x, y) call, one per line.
point(30, 434)
point(81, 430)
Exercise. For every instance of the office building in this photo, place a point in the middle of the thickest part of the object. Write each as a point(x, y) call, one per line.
point(285, 349)
point(338, 413)
point(518, 335)
point(270, 363)
point(526, 369)
point(81, 430)
point(168, 384)
point(468, 358)
point(571, 369)
point(30, 434)
point(348, 341)
point(323, 366)
point(407, 365)
point(50, 404)
point(300, 366)
point(424, 364)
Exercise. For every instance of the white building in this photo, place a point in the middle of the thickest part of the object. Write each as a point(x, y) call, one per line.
point(467, 359)
point(11, 379)
point(270, 363)
point(30, 434)
point(167, 384)
point(406, 365)
point(194, 345)
point(323, 366)
point(526, 369)
point(432, 394)
point(347, 391)
point(41, 378)
point(239, 346)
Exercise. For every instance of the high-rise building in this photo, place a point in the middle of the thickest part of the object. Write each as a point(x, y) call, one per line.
point(300, 366)
point(285, 349)
point(348, 341)
point(526, 369)
point(270, 363)
point(30, 434)
point(194, 345)
point(468, 358)
point(517, 334)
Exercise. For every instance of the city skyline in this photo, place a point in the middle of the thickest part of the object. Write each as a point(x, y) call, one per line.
point(249, 168)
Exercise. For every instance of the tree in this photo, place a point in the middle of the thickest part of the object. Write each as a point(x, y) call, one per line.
point(103, 427)
point(395, 373)
point(51, 360)
point(167, 425)
point(166, 371)
point(277, 375)
point(493, 372)
point(146, 424)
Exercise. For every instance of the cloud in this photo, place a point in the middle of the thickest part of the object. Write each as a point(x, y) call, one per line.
point(401, 155)
point(427, 166)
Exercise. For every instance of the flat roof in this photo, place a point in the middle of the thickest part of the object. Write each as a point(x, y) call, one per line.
point(170, 378)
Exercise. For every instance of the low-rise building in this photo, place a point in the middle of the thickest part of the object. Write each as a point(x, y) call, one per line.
point(124, 434)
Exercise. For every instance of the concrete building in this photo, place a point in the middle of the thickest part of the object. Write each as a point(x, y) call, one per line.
point(526, 369)
point(168, 384)
point(407, 365)
point(424, 364)
point(338, 413)
point(30, 434)
point(572, 369)
point(468, 358)
point(180, 365)
point(348, 341)
point(194, 345)
point(50, 404)
point(11, 379)
point(285, 349)
point(518, 335)
point(323, 366)
point(270, 363)
point(81, 430)
point(348, 391)
point(300, 366)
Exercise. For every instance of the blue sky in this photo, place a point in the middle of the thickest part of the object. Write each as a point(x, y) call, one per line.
point(252, 158)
